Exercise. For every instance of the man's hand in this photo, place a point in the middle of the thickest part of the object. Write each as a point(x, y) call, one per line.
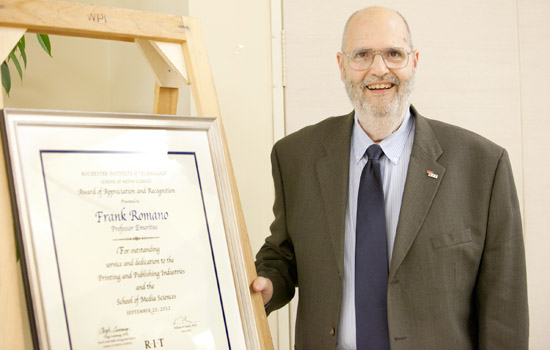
point(265, 286)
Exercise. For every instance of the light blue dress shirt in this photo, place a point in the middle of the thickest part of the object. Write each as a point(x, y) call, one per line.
point(393, 165)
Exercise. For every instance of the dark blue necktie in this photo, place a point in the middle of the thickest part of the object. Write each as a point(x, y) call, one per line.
point(371, 258)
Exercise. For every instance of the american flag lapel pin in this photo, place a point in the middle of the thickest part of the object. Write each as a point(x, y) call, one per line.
point(432, 174)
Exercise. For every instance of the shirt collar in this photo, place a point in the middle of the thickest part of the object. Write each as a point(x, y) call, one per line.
point(392, 146)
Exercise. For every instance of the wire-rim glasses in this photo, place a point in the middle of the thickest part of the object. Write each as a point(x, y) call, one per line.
point(393, 57)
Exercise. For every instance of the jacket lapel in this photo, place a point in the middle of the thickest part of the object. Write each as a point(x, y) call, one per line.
point(333, 170)
point(420, 189)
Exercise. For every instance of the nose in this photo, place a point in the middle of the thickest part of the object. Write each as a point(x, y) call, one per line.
point(378, 66)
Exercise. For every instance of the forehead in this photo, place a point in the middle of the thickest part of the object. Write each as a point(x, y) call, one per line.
point(376, 31)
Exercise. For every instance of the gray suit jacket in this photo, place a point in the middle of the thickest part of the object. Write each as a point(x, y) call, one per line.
point(457, 278)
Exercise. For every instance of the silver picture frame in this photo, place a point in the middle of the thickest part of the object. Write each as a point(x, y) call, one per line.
point(128, 231)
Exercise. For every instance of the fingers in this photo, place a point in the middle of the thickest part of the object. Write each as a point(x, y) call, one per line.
point(265, 286)
point(259, 284)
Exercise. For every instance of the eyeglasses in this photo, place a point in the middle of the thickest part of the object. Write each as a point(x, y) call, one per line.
point(393, 57)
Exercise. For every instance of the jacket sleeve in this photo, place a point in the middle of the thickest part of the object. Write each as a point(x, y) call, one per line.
point(276, 259)
point(501, 290)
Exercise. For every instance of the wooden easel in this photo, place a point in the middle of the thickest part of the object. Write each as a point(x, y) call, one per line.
point(175, 49)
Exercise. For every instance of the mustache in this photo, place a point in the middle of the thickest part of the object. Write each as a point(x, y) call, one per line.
point(388, 77)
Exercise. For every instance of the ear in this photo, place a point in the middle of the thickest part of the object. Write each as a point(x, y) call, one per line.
point(415, 59)
point(340, 58)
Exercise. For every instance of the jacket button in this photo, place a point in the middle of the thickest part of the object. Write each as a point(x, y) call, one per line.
point(332, 332)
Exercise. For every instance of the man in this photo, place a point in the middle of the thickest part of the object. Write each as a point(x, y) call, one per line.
point(452, 256)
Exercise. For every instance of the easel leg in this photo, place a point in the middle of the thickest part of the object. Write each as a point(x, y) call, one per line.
point(13, 316)
point(166, 100)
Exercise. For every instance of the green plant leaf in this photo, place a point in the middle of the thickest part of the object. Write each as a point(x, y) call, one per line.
point(44, 41)
point(16, 64)
point(6, 79)
point(21, 46)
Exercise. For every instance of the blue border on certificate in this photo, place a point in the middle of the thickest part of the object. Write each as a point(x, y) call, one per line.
point(129, 152)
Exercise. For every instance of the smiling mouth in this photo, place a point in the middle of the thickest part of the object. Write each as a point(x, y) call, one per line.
point(380, 86)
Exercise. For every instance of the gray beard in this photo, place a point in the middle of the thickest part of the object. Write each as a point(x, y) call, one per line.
point(381, 120)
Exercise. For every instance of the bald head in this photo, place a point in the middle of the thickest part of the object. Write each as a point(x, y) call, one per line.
point(376, 15)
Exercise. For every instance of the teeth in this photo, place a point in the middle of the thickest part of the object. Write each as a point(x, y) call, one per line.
point(378, 86)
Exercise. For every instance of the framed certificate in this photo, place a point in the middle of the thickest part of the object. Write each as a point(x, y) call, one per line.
point(128, 232)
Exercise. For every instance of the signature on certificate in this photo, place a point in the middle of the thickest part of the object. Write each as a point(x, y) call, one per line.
point(110, 336)
point(113, 332)
point(184, 324)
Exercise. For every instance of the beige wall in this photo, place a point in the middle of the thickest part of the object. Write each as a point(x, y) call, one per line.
point(237, 35)
point(74, 79)
point(483, 65)
point(534, 44)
